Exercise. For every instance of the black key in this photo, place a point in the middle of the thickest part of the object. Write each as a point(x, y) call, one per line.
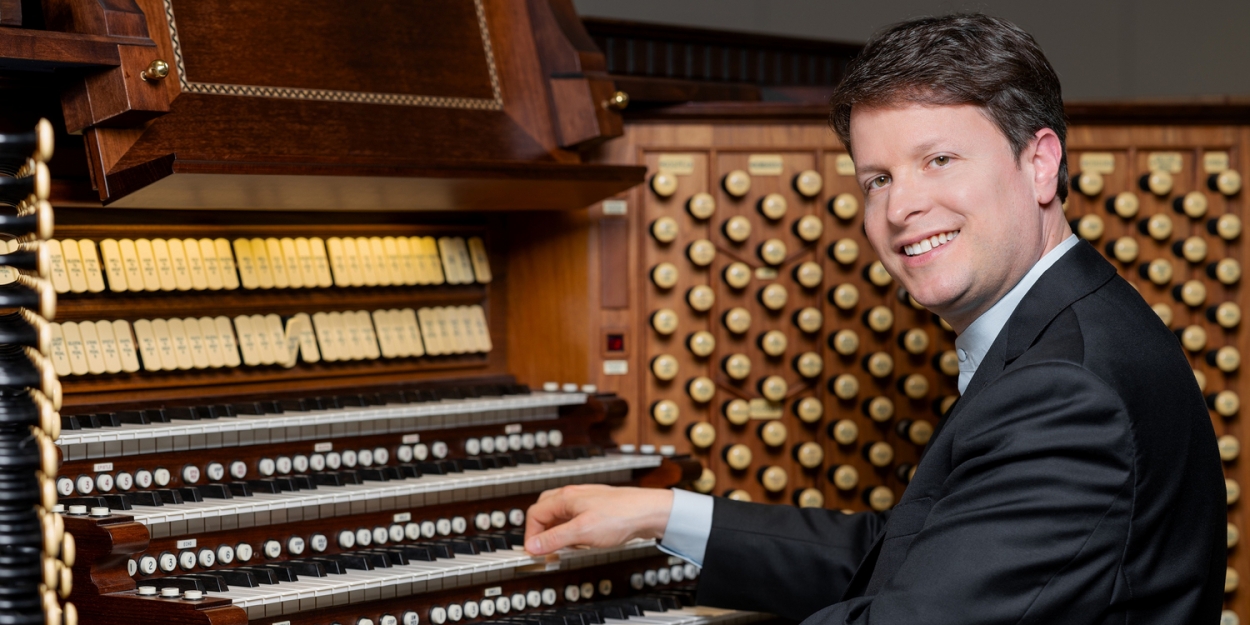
point(89, 421)
point(238, 577)
point(617, 611)
point(421, 396)
point(144, 498)
point(373, 475)
point(285, 484)
point(409, 471)
point(268, 487)
point(345, 401)
point(418, 552)
point(349, 477)
point(108, 420)
point(190, 493)
point(332, 567)
point(326, 403)
point(579, 452)
point(272, 407)
point(544, 455)
point(352, 561)
point(304, 482)
point(285, 573)
point(483, 544)
point(670, 602)
point(461, 545)
point(212, 582)
point(498, 541)
point(133, 416)
point(447, 393)
point(379, 560)
point(432, 468)
point(183, 583)
point(90, 502)
point(308, 568)
point(169, 495)
point(216, 491)
point(473, 464)
point(519, 389)
point(563, 453)
point(182, 413)
point(327, 479)
point(374, 399)
point(249, 408)
point(589, 616)
point(393, 556)
point(262, 574)
point(217, 411)
point(155, 416)
point(117, 502)
point(505, 460)
point(439, 550)
point(240, 489)
point(394, 472)
point(452, 466)
point(393, 397)
point(525, 457)
point(649, 603)
point(69, 422)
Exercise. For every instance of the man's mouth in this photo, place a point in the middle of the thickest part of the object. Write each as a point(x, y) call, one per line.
point(925, 245)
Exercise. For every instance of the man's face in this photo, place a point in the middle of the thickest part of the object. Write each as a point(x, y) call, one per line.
point(947, 209)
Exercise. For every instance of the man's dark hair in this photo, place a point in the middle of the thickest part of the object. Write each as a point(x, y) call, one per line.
point(959, 59)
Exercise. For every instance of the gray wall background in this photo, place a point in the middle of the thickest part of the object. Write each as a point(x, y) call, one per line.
point(1102, 49)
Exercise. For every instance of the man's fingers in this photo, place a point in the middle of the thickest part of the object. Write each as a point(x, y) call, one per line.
point(548, 493)
point(549, 511)
point(558, 537)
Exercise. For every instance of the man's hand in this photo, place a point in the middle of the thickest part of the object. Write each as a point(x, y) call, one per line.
point(595, 516)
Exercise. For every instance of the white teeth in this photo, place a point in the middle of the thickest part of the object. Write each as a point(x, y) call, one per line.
point(930, 243)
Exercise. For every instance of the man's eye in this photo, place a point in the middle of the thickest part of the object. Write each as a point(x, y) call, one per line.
point(878, 182)
point(941, 161)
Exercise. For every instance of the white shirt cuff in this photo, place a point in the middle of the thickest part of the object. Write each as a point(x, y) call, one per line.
point(689, 524)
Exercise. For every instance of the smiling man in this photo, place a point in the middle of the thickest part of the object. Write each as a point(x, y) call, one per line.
point(1076, 480)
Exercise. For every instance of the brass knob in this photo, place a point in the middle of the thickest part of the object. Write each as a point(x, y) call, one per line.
point(1194, 338)
point(809, 364)
point(914, 341)
point(664, 321)
point(737, 275)
point(879, 364)
point(773, 433)
point(701, 297)
point(948, 363)
point(1231, 579)
point(844, 251)
point(1201, 379)
point(664, 367)
point(773, 342)
point(876, 274)
point(845, 342)
point(845, 386)
point(809, 228)
point(1193, 204)
point(737, 411)
point(880, 498)
point(879, 318)
point(738, 456)
point(809, 275)
point(1125, 204)
point(664, 275)
point(844, 477)
point(809, 320)
point(844, 206)
point(915, 386)
point(737, 229)
point(1124, 249)
point(774, 296)
point(737, 320)
point(701, 205)
point(1157, 182)
point(918, 432)
point(1226, 271)
point(664, 184)
point(879, 409)
point(701, 389)
point(1088, 183)
point(1157, 227)
point(736, 183)
point(1089, 227)
point(844, 296)
point(773, 479)
point(773, 206)
point(1227, 227)
point(808, 183)
point(156, 70)
point(1158, 271)
point(1229, 447)
point(943, 406)
point(618, 101)
point(738, 494)
point(773, 251)
point(844, 431)
point(706, 482)
point(701, 252)
point(1224, 403)
point(665, 412)
point(773, 388)
point(664, 229)
point(1233, 536)
point(809, 410)
point(1226, 359)
point(810, 455)
point(809, 498)
point(1193, 293)
point(737, 366)
point(1227, 182)
point(1164, 312)
point(1232, 491)
point(1226, 315)
point(701, 343)
point(879, 454)
point(701, 434)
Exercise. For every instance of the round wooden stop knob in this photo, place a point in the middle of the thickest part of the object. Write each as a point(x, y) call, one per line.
point(918, 432)
point(701, 389)
point(879, 318)
point(1232, 537)
point(809, 228)
point(809, 410)
point(773, 388)
point(664, 321)
point(879, 498)
point(1201, 379)
point(845, 296)
point(809, 320)
point(1227, 227)
point(808, 183)
point(772, 251)
point(844, 431)
point(947, 362)
point(844, 386)
point(737, 411)
point(879, 454)
point(738, 456)
point(665, 412)
point(1164, 312)
point(879, 409)
point(1192, 249)
point(809, 365)
point(844, 477)
point(738, 494)
point(1226, 271)
point(1229, 447)
point(773, 206)
point(876, 274)
point(736, 183)
point(844, 251)
point(664, 184)
point(1088, 183)
point(1125, 204)
point(737, 366)
point(914, 341)
point(773, 479)
point(737, 320)
point(1227, 182)
point(1192, 293)
point(943, 405)
point(1224, 403)
point(701, 205)
point(701, 343)
point(809, 455)
point(737, 275)
point(1157, 227)
point(1232, 491)
point(845, 342)
point(1193, 338)
point(701, 252)
point(1193, 204)
point(915, 386)
point(773, 343)
point(1226, 359)
point(1089, 227)
point(809, 498)
point(701, 434)
point(773, 296)
point(706, 482)
point(701, 298)
point(809, 275)
point(664, 275)
point(1157, 182)
point(664, 229)
point(737, 229)
point(664, 367)
point(1158, 271)
point(1231, 579)
point(1226, 315)
point(879, 364)
point(844, 206)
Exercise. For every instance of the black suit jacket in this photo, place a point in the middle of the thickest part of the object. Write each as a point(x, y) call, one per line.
point(1077, 480)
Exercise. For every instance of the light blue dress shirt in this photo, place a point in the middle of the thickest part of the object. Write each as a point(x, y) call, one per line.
point(690, 521)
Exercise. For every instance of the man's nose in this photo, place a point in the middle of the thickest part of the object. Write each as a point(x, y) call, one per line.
point(906, 202)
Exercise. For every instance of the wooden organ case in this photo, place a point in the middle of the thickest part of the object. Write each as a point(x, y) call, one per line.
point(295, 389)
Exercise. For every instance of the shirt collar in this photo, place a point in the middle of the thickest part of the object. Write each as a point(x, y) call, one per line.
point(975, 341)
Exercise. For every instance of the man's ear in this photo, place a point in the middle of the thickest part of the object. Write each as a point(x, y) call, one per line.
point(1045, 156)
